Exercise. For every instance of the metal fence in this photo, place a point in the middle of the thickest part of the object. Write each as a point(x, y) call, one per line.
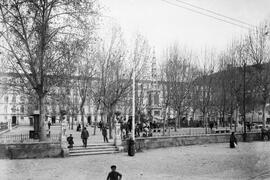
point(25, 138)
point(195, 131)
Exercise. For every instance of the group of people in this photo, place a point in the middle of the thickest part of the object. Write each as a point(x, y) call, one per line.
point(143, 129)
point(85, 135)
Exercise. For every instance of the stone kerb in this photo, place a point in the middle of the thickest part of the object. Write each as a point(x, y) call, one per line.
point(31, 150)
point(172, 141)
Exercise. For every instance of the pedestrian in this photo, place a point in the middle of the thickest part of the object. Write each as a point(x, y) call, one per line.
point(70, 141)
point(101, 125)
point(64, 126)
point(233, 141)
point(114, 175)
point(84, 136)
point(79, 127)
point(104, 133)
point(49, 124)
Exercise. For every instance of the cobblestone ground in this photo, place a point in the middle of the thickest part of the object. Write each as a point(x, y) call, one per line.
point(212, 161)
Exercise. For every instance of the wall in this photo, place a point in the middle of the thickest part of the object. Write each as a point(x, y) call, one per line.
point(30, 150)
point(159, 142)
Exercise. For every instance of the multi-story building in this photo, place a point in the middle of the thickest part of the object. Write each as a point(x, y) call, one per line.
point(13, 105)
point(17, 108)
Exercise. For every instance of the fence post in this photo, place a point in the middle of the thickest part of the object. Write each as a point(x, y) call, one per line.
point(21, 138)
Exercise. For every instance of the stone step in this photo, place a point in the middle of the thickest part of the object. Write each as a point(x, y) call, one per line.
point(94, 146)
point(112, 148)
point(92, 153)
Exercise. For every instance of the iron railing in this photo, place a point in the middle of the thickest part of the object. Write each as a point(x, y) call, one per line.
point(25, 138)
point(196, 132)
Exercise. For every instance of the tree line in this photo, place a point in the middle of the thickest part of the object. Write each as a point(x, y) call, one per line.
point(53, 47)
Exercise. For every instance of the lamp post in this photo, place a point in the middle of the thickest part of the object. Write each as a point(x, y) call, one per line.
point(131, 141)
point(244, 102)
point(133, 105)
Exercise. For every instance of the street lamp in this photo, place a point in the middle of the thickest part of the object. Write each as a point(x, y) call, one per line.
point(133, 105)
point(131, 141)
point(244, 102)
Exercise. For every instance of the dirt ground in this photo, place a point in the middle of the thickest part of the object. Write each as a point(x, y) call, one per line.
point(211, 161)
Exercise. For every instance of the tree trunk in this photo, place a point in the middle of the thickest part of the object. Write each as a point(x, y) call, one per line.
point(72, 121)
point(231, 116)
point(179, 118)
point(95, 126)
point(164, 119)
point(193, 116)
point(263, 114)
point(176, 121)
point(96, 114)
point(236, 121)
point(82, 116)
point(110, 123)
point(42, 132)
point(223, 118)
point(204, 122)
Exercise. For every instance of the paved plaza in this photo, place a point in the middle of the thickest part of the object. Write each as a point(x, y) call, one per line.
point(211, 161)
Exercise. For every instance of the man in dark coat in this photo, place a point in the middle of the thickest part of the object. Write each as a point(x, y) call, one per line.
point(101, 125)
point(104, 133)
point(49, 124)
point(70, 141)
point(79, 127)
point(114, 175)
point(84, 136)
point(233, 141)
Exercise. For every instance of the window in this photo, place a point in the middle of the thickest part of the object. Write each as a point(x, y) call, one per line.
point(68, 91)
point(13, 109)
point(156, 99)
point(149, 99)
point(14, 98)
point(6, 99)
point(5, 109)
point(76, 100)
point(22, 109)
point(22, 99)
point(156, 113)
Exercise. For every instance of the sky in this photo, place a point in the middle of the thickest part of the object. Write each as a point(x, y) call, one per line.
point(164, 24)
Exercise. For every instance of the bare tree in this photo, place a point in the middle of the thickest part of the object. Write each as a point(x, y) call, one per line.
point(165, 96)
point(179, 79)
point(258, 51)
point(204, 84)
point(86, 64)
point(32, 34)
point(114, 73)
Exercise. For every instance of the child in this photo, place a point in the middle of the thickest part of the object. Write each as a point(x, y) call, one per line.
point(114, 175)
